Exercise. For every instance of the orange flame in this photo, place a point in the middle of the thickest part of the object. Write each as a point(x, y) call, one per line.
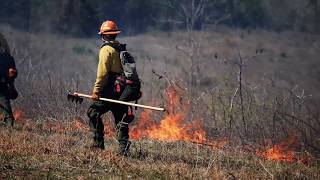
point(18, 114)
point(174, 126)
point(138, 131)
point(284, 151)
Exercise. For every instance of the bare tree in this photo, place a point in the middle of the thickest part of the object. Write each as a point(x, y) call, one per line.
point(193, 13)
point(315, 5)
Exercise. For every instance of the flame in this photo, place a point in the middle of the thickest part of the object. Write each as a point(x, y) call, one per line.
point(138, 131)
point(173, 126)
point(18, 114)
point(277, 153)
point(284, 151)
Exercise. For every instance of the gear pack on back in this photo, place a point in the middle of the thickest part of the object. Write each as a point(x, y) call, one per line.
point(129, 66)
point(127, 85)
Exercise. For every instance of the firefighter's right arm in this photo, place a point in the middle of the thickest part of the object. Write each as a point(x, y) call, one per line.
point(8, 71)
point(13, 72)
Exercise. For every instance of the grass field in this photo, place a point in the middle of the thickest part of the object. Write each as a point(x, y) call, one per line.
point(280, 96)
point(47, 150)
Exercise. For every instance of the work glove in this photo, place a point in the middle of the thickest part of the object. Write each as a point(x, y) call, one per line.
point(95, 96)
point(12, 73)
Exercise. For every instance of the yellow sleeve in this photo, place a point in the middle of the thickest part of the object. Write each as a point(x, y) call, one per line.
point(104, 67)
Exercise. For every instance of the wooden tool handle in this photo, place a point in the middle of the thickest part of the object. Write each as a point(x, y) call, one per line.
point(122, 102)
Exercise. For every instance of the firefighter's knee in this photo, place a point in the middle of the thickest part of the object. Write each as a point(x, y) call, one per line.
point(92, 113)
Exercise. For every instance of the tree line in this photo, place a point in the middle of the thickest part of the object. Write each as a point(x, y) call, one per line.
point(83, 17)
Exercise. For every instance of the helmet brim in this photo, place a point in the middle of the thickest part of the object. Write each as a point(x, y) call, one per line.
point(109, 32)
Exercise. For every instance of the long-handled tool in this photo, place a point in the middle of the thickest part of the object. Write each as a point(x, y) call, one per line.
point(78, 98)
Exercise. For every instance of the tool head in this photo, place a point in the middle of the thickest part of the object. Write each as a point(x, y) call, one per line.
point(73, 97)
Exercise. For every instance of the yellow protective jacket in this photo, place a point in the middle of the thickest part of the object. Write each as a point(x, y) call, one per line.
point(4, 47)
point(109, 61)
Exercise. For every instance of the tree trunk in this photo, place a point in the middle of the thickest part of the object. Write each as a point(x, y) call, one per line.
point(317, 16)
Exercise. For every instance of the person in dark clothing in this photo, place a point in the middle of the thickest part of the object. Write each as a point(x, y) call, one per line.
point(8, 73)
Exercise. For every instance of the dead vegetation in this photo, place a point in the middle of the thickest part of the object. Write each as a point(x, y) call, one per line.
point(33, 151)
point(278, 97)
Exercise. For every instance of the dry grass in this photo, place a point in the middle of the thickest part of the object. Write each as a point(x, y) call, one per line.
point(47, 145)
point(35, 150)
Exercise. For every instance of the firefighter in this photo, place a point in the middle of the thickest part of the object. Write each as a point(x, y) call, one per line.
point(8, 73)
point(109, 68)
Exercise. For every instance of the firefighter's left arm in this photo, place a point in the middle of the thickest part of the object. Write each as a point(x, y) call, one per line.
point(103, 69)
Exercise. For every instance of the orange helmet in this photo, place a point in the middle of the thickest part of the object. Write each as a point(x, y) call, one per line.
point(109, 27)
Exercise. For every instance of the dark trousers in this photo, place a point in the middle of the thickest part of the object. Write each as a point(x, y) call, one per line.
point(5, 106)
point(97, 109)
